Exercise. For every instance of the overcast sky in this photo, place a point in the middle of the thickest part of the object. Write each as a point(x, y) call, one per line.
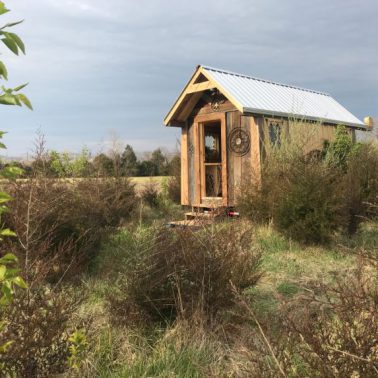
point(116, 66)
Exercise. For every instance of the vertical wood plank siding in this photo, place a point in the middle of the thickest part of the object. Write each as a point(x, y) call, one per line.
point(230, 160)
point(313, 135)
point(239, 167)
point(256, 124)
point(197, 165)
point(224, 160)
point(184, 166)
point(191, 174)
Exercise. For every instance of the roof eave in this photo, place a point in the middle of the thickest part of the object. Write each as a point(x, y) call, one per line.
point(169, 118)
point(247, 110)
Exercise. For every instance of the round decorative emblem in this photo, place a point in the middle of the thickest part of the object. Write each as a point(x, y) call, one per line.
point(239, 141)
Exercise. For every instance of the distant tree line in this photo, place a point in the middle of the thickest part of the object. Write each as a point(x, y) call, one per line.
point(60, 165)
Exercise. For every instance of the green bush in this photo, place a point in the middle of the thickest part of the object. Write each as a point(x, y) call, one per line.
point(310, 196)
point(311, 207)
point(337, 152)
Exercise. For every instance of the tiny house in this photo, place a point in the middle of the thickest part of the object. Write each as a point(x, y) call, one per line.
point(225, 120)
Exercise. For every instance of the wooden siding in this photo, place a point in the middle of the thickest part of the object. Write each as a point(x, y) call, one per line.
point(184, 167)
point(191, 157)
point(197, 164)
point(257, 125)
point(206, 108)
point(240, 168)
point(312, 134)
point(236, 168)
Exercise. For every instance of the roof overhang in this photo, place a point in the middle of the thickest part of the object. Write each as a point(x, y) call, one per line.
point(200, 82)
point(301, 117)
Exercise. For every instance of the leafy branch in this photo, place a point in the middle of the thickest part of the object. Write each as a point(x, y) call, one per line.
point(11, 96)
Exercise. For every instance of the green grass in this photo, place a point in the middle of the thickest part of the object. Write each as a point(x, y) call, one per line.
point(289, 267)
point(288, 261)
point(186, 361)
point(288, 289)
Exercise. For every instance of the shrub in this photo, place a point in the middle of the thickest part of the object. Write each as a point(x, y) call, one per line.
point(338, 152)
point(334, 330)
point(60, 226)
point(107, 202)
point(311, 206)
point(150, 194)
point(184, 272)
point(174, 189)
point(325, 330)
point(174, 180)
point(123, 249)
point(361, 185)
point(256, 200)
point(262, 192)
point(303, 197)
point(37, 323)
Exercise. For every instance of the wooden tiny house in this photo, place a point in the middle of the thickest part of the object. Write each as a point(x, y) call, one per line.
point(226, 118)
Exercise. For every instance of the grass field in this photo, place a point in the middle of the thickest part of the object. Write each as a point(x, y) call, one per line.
point(179, 350)
point(141, 182)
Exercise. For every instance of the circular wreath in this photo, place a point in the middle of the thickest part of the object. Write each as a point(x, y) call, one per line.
point(239, 141)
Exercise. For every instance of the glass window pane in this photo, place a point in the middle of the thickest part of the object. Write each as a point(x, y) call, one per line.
point(212, 143)
point(213, 180)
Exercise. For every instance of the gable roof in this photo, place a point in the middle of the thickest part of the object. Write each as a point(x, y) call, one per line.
point(252, 95)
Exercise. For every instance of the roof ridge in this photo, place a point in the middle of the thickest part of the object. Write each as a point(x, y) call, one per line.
point(263, 80)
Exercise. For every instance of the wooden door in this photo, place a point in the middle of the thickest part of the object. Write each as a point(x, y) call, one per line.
point(211, 157)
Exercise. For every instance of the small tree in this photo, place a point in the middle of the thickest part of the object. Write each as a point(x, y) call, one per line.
point(339, 150)
point(159, 160)
point(129, 162)
point(81, 166)
point(103, 164)
point(147, 168)
point(58, 164)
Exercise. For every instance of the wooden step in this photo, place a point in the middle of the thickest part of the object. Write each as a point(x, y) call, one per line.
point(192, 223)
point(198, 215)
point(205, 213)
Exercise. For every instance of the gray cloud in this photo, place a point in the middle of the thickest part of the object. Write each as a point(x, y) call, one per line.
point(95, 66)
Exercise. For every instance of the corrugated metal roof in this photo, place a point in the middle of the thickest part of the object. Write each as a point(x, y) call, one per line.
point(267, 97)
